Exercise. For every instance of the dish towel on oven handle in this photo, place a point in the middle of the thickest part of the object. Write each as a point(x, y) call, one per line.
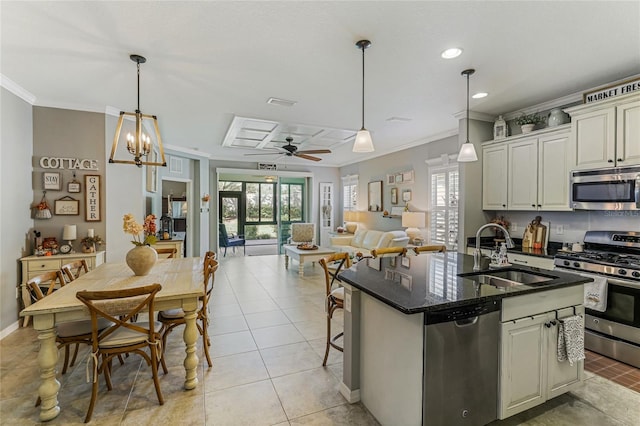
point(595, 293)
point(571, 339)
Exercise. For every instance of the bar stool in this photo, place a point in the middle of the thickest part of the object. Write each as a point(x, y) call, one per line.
point(334, 298)
point(425, 249)
point(380, 252)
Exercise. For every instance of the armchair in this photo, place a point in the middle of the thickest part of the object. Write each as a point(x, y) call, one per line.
point(226, 241)
point(302, 233)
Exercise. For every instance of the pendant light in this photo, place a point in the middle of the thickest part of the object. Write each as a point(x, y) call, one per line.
point(467, 152)
point(363, 142)
point(139, 144)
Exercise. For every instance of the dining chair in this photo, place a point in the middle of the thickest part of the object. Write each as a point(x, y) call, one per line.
point(424, 249)
point(171, 251)
point(73, 270)
point(123, 336)
point(226, 241)
point(67, 333)
point(332, 266)
point(382, 251)
point(173, 318)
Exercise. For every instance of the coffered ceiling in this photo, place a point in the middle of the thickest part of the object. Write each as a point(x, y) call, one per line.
point(213, 65)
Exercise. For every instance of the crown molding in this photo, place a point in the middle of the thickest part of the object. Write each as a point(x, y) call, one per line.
point(17, 90)
point(473, 115)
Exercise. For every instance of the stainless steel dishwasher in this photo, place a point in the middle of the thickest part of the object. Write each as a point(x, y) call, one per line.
point(461, 365)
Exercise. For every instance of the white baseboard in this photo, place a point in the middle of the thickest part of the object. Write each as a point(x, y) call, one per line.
point(8, 330)
point(352, 396)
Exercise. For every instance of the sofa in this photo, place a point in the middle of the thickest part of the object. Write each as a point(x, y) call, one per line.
point(364, 240)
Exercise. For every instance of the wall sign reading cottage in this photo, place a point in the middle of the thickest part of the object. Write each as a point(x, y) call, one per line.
point(68, 163)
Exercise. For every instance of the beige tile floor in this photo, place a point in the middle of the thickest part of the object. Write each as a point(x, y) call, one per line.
point(268, 343)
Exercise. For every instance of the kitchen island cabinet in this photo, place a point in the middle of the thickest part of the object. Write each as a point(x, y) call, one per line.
point(386, 307)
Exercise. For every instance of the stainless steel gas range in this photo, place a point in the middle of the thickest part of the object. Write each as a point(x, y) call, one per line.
point(616, 256)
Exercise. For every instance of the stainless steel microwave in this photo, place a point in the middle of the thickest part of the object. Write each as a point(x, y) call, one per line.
point(606, 189)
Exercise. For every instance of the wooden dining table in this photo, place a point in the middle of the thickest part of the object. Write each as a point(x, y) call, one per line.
point(182, 285)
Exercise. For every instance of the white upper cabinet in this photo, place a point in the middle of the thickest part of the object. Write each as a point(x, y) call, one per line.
point(528, 172)
point(606, 133)
point(494, 177)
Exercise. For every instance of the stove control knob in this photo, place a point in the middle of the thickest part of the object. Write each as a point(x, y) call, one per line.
point(566, 263)
point(576, 264)
point(622, 271)
point(635, 274)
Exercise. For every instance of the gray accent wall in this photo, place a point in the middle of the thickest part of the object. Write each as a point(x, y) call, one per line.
point(16, 196)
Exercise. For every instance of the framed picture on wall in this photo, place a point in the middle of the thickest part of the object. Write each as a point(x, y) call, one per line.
point(406, 195)
point(391, 179)
point(67, 206)
point(92, 198)
point(394, 195)
point(51, 181)
point(152, 173)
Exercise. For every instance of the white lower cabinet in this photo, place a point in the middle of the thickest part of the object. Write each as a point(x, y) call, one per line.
point(530, 372)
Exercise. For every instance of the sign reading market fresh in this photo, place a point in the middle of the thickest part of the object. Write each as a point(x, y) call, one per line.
point(623, 88)
point(68, 163)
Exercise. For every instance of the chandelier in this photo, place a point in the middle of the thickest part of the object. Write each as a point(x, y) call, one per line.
point(139, 144)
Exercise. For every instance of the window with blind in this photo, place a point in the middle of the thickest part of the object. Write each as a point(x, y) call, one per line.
point(444, 206)
point(350, 192)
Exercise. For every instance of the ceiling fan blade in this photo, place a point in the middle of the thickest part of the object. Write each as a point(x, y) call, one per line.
point(268, 153)
point(307, 157)
point(315, 151)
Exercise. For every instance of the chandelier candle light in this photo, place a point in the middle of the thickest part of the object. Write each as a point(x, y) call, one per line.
point(140, 143)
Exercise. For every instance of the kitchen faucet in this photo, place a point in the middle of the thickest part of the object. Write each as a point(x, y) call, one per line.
point(477, 254)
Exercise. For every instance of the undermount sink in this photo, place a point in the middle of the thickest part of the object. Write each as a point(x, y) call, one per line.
point(506, 279)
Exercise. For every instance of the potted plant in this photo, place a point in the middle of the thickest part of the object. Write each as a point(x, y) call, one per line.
point(89, 243)
point(528, 121)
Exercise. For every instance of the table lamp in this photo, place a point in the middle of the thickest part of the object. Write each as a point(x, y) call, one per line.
point(413, 221)
point(69, 234)
point(350, 217)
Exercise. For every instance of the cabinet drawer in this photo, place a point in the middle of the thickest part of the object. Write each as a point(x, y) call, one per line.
point(534, 261)
point(544, 301)
point(43, 265)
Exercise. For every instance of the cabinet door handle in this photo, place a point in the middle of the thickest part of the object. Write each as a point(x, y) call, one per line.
point(519, 261)
point(620, 160)
point(547, 324)
point(609, 161)
point(533, 205)
point(504, 205)
point(539, 205)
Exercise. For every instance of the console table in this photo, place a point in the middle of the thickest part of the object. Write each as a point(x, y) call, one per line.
point(37, 265)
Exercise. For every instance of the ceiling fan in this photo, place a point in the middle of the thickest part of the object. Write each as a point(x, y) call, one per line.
point(291, 150)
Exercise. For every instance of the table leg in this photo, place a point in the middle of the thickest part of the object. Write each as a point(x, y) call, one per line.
point(190, 337)
point(286, 260)
point(47, 360)
point(301, 266)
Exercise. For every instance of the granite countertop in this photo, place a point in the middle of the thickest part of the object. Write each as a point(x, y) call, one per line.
point(490, 244)
point(430, 282)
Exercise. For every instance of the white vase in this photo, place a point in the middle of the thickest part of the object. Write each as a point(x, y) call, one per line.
point(141, 259)
point(527, 128)
point(557, 117)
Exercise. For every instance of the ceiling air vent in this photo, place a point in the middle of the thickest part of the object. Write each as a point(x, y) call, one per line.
point(281, 102)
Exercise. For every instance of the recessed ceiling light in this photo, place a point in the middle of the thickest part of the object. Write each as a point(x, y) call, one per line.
point(480, 95)
point(281, 102)
point(451, 53)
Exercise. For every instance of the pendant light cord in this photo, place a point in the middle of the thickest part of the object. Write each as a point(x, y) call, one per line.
point(138, 62)
point(362, 88)
point(467, 108)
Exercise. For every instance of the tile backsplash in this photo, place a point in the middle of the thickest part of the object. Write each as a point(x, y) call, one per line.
point(571, 226)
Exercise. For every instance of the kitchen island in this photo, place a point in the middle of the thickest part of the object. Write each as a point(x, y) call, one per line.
point(389, 358)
